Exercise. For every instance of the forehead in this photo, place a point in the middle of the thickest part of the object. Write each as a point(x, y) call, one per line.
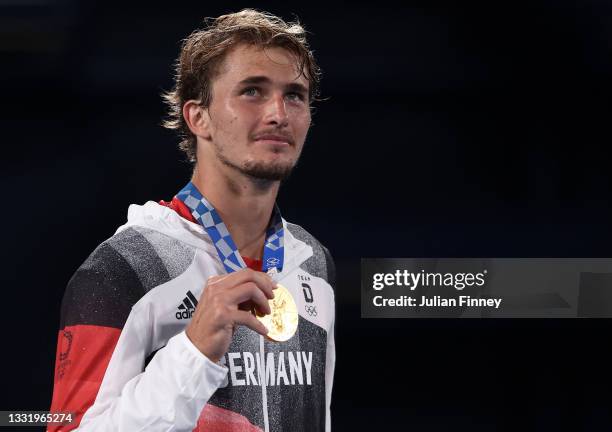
point(276, 63)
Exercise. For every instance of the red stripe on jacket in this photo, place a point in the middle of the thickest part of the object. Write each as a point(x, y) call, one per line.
point(83, 353)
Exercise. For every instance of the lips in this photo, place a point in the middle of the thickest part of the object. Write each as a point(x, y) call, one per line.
point(274, 139)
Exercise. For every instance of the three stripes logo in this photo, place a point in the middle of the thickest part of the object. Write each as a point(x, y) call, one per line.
point(185, 309)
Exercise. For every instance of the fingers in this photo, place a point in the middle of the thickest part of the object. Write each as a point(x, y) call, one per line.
point(216, 279)
point(226, 301)
point(249, 320)
point(249, 292)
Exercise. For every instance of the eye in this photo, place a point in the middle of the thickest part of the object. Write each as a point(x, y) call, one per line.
point(251, 91)
point(296, 97)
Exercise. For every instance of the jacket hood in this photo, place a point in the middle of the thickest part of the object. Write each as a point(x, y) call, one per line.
point(160, 218)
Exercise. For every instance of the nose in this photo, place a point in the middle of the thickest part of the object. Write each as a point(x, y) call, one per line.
point(276, 112)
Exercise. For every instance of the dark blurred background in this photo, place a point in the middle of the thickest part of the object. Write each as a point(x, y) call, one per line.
point(451, 129)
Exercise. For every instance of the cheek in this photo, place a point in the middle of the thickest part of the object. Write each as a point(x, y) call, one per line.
point(229, 124)
point(241, 119)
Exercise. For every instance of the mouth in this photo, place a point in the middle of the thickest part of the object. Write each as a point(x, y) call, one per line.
point(274, 140)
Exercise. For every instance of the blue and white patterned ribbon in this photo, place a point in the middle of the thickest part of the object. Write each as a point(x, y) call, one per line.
point(207, 216)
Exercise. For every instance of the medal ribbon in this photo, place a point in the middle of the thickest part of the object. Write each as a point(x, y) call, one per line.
point(208, 217)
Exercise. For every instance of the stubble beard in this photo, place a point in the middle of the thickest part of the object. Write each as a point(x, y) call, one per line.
point(265, 172)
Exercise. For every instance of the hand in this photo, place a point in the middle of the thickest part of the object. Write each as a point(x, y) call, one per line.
point(227, 301)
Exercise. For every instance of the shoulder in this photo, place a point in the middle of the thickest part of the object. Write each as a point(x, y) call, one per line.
point(119, 272)
point(321, 263)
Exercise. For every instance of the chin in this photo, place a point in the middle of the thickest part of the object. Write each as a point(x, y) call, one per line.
point(272, 171)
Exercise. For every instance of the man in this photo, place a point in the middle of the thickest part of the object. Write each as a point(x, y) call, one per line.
point(159, 328)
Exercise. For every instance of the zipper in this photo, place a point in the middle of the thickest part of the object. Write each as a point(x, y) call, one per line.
point(300, 254)
point(262, 380)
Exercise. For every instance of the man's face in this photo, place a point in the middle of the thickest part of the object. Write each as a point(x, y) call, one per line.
point(260, 113)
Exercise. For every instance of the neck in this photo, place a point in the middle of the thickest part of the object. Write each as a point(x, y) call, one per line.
point(244, 204)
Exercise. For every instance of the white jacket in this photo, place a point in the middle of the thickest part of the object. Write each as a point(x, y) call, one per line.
point(142, 283)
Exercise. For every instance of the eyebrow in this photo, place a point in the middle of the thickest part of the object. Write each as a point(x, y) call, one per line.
point(294, 86)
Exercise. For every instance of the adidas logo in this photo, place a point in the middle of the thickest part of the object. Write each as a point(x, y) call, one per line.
point(187, 307)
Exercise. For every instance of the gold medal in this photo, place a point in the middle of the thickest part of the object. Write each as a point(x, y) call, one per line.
point(282, 322)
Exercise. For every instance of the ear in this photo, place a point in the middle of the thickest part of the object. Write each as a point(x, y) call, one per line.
point(197, 119)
